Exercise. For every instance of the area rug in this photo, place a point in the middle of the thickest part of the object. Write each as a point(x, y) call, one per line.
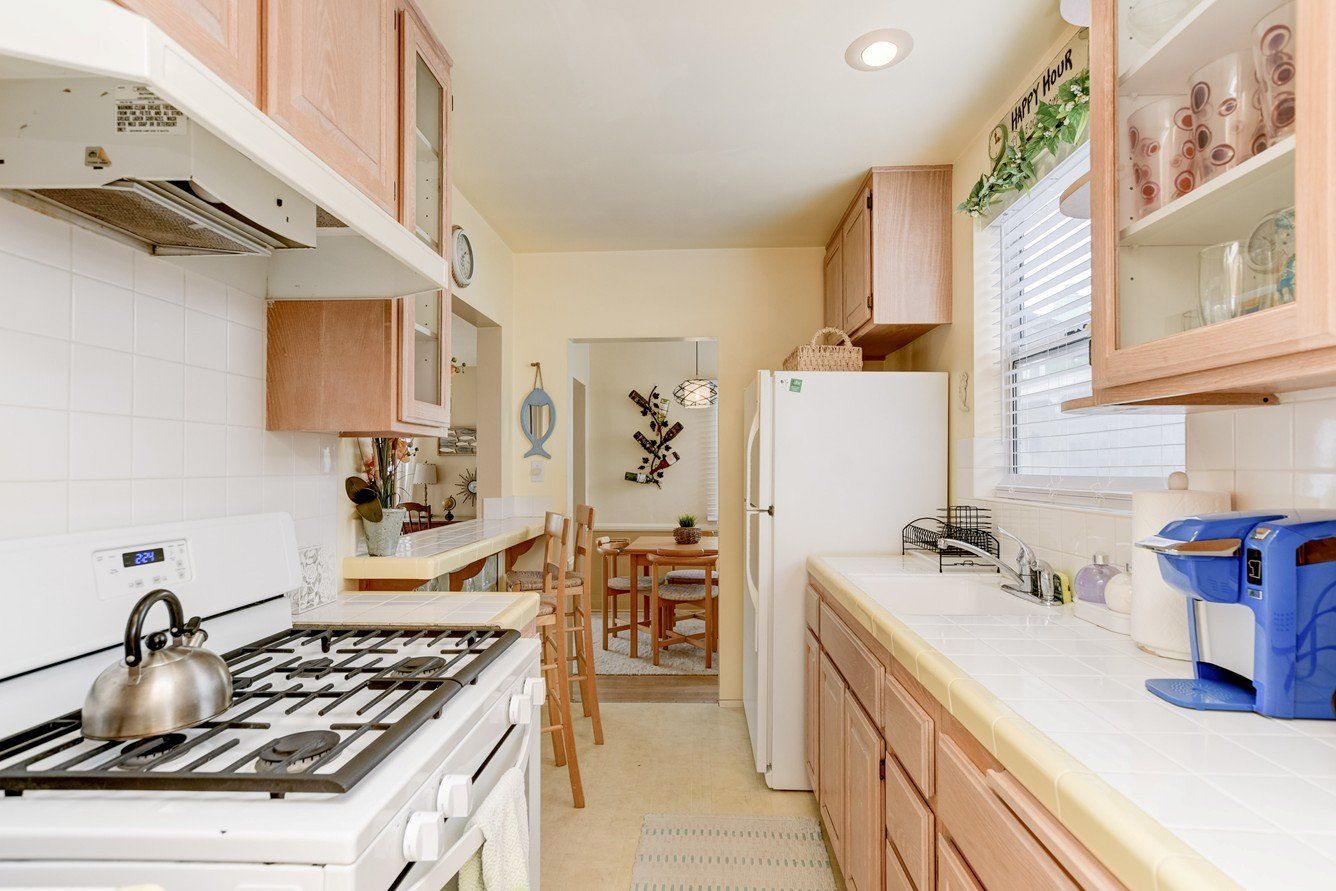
point(677, 659)
point(686, 852)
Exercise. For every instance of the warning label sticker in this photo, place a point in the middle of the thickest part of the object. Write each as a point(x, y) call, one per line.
point(140, 110)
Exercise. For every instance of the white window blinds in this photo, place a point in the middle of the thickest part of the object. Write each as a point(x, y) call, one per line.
point(710, 468)
point(1045, 355)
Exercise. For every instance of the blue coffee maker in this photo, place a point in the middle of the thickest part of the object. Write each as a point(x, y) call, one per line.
point(1261, 601)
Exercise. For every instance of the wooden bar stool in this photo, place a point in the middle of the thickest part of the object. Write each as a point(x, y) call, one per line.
point(581, 618)
point(616, 586)
point(665, 599)
point(556, 660)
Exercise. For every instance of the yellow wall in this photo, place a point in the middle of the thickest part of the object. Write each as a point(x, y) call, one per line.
point(951, 348)
point(759, 303)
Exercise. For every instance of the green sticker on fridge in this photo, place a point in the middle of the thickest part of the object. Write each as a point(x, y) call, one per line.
point(795, 386)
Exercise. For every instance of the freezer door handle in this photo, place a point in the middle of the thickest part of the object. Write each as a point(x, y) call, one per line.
point(752, 433)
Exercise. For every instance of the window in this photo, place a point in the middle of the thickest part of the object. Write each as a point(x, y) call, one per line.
point(1045, 356)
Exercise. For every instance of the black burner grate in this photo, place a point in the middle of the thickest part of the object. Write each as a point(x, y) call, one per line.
point(393, 681)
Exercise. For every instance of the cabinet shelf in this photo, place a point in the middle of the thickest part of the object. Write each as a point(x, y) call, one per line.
point(421, 332)
point(1209, 30)
point(1226, 207)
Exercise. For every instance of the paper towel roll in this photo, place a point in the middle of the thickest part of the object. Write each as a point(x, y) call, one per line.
point(1159, 612)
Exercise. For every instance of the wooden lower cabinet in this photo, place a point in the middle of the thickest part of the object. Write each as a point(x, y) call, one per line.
point(812, 708)
point(863, 837)
point(953, 874)
point(915, 803)
point(830, 785)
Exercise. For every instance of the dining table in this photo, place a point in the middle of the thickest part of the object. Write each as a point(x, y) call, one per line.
point(667, 546)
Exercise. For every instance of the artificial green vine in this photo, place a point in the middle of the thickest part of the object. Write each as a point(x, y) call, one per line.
point(1062, 121)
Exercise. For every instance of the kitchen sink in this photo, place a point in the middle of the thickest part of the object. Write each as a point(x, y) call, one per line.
point(909, 594)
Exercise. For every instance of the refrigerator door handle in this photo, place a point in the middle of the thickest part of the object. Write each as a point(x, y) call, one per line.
point(752, 433)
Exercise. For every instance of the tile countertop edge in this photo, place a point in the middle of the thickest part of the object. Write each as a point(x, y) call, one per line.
point(1132, 844)
point(449, 559)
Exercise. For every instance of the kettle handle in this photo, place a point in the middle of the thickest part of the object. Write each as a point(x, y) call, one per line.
point(134, 628)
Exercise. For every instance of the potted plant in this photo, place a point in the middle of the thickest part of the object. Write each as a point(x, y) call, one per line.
point(376, 494)
point(686, 532)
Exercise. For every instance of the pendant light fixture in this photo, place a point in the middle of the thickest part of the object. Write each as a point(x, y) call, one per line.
point(696, 392)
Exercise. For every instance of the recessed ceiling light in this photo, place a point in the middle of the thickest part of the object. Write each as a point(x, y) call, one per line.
point(879, 49)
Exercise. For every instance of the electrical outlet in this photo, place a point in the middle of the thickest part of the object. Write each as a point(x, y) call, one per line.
point(536, 471)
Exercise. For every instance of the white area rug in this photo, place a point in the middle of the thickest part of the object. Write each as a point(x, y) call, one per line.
point(686, 852)
point(677, 659)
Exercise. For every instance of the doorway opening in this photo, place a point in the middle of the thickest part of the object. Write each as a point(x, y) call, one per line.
point(645, 461)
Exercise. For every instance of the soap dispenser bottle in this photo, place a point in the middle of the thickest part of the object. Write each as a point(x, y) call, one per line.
point(1090, 581)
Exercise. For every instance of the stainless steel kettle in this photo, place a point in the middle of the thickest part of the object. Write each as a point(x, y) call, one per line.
point(171, 686)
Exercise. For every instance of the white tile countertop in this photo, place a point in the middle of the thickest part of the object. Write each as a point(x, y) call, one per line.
point(1253, 796)
point(423, 609)
point(435, 552)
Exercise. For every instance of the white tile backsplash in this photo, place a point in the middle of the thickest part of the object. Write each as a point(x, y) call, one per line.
point(1279, 456)
point(132, 391)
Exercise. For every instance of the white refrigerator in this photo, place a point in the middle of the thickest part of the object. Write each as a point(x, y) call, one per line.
point(837, 463)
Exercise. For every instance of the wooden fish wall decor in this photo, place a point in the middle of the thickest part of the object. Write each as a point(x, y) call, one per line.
point(538, 415)
point(658, 457)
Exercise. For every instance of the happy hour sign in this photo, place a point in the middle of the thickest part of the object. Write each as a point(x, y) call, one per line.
point(1070, 61)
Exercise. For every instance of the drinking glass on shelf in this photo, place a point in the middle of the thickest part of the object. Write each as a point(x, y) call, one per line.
point(1273, 58)
point(1159, 133)
point(1149, 20)
point(1220, 282)
point(1224, 98)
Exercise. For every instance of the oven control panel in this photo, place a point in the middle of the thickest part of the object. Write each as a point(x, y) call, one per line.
point(140, 568)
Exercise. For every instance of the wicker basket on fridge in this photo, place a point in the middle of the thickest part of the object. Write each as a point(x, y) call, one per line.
point(826, 357)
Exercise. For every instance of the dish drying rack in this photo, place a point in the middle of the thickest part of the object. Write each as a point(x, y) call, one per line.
point(963, 522)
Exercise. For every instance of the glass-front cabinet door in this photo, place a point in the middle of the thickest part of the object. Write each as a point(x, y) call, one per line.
point(424, 319)
point(1212, 176)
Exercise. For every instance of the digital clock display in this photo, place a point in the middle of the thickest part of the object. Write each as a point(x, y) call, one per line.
point(143, 558)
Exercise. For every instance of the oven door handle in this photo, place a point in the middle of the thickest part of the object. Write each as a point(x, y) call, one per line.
point(445, 869)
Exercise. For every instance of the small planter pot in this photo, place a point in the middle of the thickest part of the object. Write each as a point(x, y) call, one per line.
point(686, 535)
point(382, 539)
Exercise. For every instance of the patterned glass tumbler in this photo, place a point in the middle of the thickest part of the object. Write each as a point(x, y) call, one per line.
point(1159, 134)
point(1273, 59)
point(1225, 102)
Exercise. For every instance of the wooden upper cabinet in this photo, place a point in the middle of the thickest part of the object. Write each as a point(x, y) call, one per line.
point(1199, 286)
point(424, 119)
point(332, 80)
point(832, 278)
point(894, 249)
point(223, 34)
point(856, 246)
point(359, 366)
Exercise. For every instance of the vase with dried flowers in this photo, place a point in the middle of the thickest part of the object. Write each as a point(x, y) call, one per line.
point(375, 494)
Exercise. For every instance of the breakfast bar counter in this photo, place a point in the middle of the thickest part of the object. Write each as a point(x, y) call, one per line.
point(1164, 797)
point(426, 609)
point(447, 550)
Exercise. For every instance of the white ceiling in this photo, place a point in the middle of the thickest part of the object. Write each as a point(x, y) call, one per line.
point(644, 124)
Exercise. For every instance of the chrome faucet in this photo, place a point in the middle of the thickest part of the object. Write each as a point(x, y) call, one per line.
point(1031, 578)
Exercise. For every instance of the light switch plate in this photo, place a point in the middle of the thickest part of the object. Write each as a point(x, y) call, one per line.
point(536, 471)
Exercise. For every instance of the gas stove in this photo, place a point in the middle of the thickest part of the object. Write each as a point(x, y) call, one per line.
point(312, 711)
point(347, 760)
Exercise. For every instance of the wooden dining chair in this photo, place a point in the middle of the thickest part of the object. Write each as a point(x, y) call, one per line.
point(666, 597)
point(419, 516)
point(551, 624)
point(616, 586)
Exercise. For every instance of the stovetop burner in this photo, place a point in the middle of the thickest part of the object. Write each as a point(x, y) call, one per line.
point(142, 752)
point(296, 751)
point(418, 665)
point(313, 710)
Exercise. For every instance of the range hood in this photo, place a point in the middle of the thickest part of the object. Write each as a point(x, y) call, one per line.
point(108, 123)
point(120, 158)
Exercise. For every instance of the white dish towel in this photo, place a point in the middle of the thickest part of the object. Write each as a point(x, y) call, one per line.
point(502, 863)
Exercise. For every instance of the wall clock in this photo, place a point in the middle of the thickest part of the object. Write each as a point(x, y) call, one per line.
point(461, 257)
